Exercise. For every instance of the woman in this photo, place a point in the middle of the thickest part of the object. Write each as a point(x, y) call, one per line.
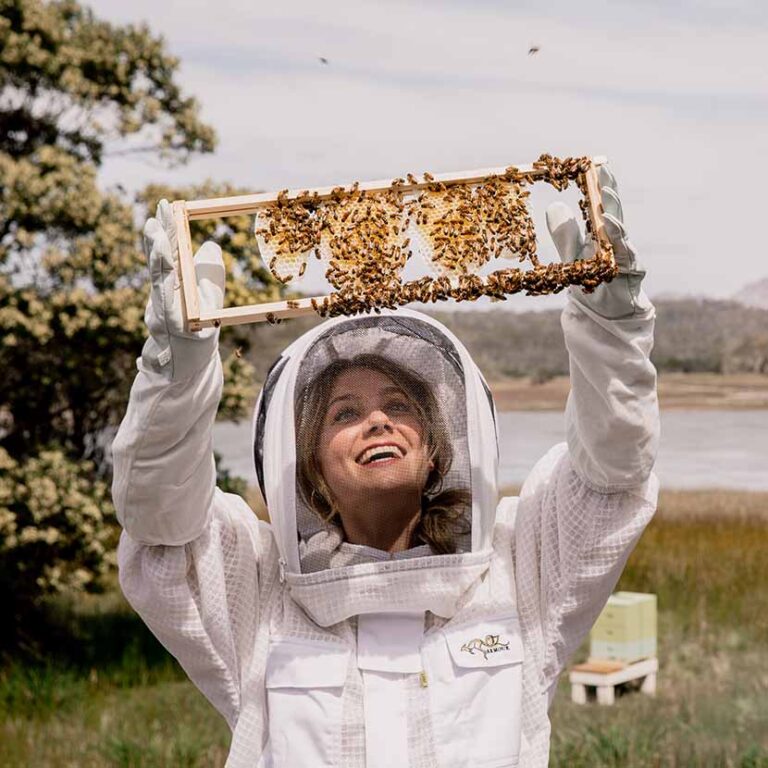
point(373, 453)
point(394, 612)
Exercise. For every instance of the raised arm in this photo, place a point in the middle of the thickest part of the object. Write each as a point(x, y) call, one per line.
point(585, 505)
point(164, 474)
point(193, 561)
point(612, 414)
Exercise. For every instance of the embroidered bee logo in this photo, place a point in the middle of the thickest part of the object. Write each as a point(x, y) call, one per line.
point(486, 645)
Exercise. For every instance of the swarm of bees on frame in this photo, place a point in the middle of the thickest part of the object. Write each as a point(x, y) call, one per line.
point(366, 238)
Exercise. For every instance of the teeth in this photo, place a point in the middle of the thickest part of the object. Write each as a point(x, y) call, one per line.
point(371, 452)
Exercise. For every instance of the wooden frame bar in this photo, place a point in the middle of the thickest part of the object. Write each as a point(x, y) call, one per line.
point(595, 205)
point(187, 277)
point(185, 211)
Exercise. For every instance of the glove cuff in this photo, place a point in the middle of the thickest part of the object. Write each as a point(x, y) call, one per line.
point(177, 358)
point(622, 298)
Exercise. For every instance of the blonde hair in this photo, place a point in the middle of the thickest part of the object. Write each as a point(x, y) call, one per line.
point(443, 516)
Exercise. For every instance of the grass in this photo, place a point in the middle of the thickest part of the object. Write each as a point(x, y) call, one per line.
point(102, 692)
point(704, 555)
point(99, 690)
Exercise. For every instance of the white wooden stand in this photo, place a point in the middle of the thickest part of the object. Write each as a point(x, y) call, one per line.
point(604, 676)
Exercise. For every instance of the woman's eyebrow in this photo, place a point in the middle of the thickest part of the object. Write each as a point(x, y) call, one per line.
point(385, 391)
point(341, 397)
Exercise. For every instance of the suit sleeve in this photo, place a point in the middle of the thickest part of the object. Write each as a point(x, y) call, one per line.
point(164, 474)
point(586, 503)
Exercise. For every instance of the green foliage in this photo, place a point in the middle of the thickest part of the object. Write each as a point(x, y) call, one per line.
point(99, 666)
point(237, 395)
point(73, 279)
point(72, 276)
point(228, 483)
point(56, 526)
point(72, 81)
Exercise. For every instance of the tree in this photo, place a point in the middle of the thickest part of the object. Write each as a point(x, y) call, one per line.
point(72, 275)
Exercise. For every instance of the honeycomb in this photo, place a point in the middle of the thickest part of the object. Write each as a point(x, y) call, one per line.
point(459, 228)
point(364, 238)
point(287, 233)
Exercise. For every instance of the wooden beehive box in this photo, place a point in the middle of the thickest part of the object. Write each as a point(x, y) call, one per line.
point(625, 631)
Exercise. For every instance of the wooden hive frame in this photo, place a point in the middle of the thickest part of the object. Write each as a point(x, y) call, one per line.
point(185, 211)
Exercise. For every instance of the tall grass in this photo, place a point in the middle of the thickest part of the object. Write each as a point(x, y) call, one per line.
point(102, 692)
point(705, 555)
point(99, 690)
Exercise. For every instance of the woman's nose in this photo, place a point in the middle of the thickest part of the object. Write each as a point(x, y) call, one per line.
point(378, 420)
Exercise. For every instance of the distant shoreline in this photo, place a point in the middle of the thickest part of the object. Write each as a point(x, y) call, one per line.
point(677, 391)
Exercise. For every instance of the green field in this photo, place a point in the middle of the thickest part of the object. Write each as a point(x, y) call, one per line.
point(101, 692)
point(704, 554)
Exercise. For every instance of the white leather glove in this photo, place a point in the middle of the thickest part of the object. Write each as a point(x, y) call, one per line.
point(170, 350)
point(623, 297)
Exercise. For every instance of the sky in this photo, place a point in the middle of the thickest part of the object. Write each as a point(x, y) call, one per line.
point(674, 93)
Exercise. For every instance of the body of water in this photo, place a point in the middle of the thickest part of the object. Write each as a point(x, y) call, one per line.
point(699, 449)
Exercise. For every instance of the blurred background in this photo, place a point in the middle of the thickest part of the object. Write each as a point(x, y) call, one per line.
point(107, 107)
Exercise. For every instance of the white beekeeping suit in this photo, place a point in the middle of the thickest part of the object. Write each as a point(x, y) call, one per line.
point(320, 651)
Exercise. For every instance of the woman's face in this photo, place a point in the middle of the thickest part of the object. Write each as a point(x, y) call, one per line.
point(372, 440)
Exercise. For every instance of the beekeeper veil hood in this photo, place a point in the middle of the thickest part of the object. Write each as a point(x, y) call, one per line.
point(367, 426)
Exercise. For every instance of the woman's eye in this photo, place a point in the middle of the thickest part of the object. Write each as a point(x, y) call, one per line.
point(399, 406)
point(345, 414)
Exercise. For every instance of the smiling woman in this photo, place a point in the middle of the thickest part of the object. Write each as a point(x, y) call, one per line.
point(394, 611)
point(382, 447)
point(373, 450)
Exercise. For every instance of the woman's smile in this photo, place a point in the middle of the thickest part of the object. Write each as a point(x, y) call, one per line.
point(372, 438)
point(380, 454)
